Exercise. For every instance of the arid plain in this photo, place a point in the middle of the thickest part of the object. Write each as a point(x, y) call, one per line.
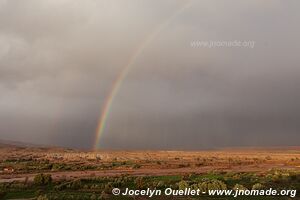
point(32, 172)
point(20, 163)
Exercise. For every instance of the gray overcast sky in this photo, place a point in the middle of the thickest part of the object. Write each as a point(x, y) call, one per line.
point(59, 58)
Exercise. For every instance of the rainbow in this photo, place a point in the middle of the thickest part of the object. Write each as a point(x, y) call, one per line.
point(124, 72)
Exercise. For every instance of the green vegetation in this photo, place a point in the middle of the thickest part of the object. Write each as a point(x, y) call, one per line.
point(44, 188)
point(31, 165)
point(42, 179)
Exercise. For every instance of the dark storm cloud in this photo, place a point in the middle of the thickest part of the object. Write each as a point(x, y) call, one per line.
point(58, 60)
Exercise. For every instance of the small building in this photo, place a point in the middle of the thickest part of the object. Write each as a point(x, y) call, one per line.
point(8, 169)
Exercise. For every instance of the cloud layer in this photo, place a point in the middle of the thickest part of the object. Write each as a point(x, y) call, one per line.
point(59, 58)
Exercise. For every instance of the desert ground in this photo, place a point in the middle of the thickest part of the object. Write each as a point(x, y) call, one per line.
point(23, 164)
point(70, 164)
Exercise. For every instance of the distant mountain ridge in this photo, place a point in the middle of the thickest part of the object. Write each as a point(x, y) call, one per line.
point(36, 147)
point(17, 144)
point(9, 143)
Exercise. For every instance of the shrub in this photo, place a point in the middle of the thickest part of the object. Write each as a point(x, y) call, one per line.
point(268, 158)
point(199, 164)
point(103, 196)
point(39, 192)
point(136, 166)
point(212, 185)
point(184, 165)
point(61, 187)
point(139, 182)
point(257, 186)
point(160, 185)
point(182, 185)
point(239, 187)
point(42, 179)
point(42, 197)
point(93, 197)
point(108, 188)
